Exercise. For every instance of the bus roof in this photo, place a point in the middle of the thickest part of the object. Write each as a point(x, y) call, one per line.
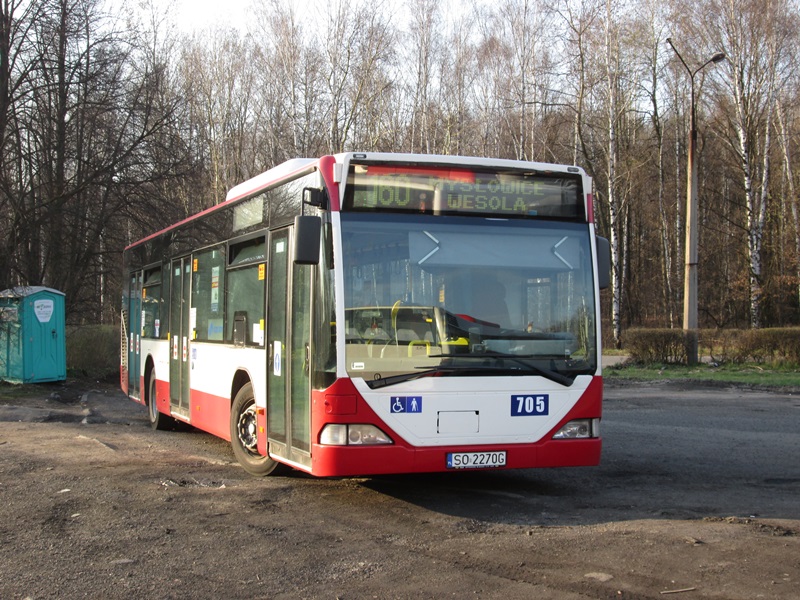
point(243, 190)
point(298, 166)
point(255, 184)
point(452, 159)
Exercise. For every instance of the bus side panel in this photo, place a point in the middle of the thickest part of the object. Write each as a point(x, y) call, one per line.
point(211, 413)
point(155, 352)
point(212, 372)
point(162, 394)
point(341, 403)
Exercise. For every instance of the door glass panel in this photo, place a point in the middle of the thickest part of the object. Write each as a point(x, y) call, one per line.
point(179, 333)
point(186, 327)
point(135, 320)
point(175, 331)
point(276, 327)
point(301, 328)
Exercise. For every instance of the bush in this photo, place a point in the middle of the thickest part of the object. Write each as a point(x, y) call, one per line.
point(668, 346)
point(648, 346)
point(722, 345)
point(93, 351)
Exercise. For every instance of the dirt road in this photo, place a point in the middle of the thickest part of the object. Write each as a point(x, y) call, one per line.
point(96, 505)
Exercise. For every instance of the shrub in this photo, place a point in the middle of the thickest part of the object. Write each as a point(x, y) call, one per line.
point(93, 350)
point(647, 346)
point(775, 346)
point(716, 343)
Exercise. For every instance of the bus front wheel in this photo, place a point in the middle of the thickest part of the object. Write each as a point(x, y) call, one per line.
point(158, 420)
point(244, 434)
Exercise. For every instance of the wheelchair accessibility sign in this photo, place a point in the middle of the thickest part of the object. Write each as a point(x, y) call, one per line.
point(406, 404)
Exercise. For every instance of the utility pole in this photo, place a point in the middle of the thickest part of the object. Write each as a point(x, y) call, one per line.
point(690, 271)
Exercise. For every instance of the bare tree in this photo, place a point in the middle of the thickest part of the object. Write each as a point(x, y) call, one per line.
point(651, 27)
point(424, 42)
point(755, 37)
point(459, 70)
point(357, 47)
point(611, 61)
point(80, 118)
point(791, 185)
point(288, 114)
point(219, 85)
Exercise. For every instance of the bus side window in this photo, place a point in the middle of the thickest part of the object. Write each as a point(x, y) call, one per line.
point(151, 303)
point(208, 289)
point(245, 292)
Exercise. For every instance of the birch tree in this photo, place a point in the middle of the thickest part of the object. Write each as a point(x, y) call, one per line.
point(791, 186)
point(357, 45)
point(459, 72)
point(611, 65)
point(424, 42)
point(755, 36)
point(652, 30)
point(219, 87)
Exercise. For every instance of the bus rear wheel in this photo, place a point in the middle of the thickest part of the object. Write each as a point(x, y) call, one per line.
point(244, 434)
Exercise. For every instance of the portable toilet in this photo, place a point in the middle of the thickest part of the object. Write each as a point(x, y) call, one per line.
point(32, 338)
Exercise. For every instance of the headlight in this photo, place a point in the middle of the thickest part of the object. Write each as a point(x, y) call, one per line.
point(359, 434)
point(579, 429)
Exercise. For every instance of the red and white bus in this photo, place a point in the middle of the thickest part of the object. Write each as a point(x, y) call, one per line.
point(370, 313)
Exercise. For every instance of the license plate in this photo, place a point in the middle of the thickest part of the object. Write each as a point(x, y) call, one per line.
point(476, 460)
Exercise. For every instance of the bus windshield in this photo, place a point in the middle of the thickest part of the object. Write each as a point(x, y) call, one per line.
point(464, 296)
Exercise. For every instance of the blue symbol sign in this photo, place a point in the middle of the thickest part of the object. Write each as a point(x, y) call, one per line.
point(406, 404)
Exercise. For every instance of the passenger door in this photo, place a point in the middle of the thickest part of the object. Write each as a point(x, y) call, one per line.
point(134, 334)
point(179, 322)
point(289, 352)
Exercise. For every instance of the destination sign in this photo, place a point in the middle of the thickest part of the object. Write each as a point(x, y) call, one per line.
point(444, 191)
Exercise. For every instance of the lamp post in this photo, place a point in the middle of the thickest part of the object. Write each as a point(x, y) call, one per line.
point(690, 272)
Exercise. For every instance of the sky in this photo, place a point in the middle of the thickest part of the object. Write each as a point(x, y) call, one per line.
point(195, 15)
point(202, 14)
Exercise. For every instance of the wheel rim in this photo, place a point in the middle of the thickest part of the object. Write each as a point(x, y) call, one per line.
point(151, 407)
point(248, 429)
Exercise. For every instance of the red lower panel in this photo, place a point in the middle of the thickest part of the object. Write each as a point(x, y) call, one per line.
point(261, 423)
point(330, 461)
point(341, 403)
point(211, 413)
point(208, 412)
point(162, 396)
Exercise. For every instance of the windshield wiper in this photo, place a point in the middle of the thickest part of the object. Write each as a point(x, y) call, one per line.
point(386, 381)
point(547, 373)
point(544, 372)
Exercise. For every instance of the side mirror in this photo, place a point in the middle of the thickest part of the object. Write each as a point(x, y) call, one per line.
point(603, 262)
point(307, 231)
point(315, 197)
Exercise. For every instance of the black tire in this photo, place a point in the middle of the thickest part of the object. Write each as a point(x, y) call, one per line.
point(244, 435)
point(158, 420)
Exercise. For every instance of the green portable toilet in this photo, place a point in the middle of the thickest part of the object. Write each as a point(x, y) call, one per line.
point(32, 343)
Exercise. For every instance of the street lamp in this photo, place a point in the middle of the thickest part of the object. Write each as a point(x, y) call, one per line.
point(690, 273)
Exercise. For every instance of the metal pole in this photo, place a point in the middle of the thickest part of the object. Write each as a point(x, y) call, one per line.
point(690, 271)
